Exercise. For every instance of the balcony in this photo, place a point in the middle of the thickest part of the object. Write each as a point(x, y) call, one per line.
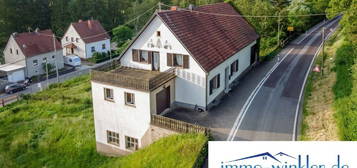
point(132, 78)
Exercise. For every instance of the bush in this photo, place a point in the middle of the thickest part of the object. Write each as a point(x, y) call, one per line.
point(345, 91)
point(345, 58)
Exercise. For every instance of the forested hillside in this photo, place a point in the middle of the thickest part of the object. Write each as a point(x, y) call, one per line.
point(27, 15)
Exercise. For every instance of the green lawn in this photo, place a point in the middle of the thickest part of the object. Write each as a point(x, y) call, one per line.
point(54, 128)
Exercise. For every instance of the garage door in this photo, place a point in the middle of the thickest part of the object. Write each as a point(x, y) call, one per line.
point(16, 76)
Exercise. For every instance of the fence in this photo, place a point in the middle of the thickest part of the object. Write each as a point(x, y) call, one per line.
point(177, 125)
point(9, 100)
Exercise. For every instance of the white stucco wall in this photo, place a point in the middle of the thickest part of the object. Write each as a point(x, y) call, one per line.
point(32, 70)
point(244, 62)
point(83, 50)
point(118, 117)
point(190, 83)
point(71, 32)
point(13, 57)
point(98, 47)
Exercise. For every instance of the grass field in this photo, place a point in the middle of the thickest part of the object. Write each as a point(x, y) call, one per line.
point(330, 99)
point(54, 128)
point(319, 123)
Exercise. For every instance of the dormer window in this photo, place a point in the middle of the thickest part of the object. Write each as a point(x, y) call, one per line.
point(158, 34)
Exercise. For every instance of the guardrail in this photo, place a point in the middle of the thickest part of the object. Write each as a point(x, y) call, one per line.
point(177, 125)
point(8, 100)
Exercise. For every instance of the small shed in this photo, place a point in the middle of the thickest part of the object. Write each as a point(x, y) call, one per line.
point(13, 72)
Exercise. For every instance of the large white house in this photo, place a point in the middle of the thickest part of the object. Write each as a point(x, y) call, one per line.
point(29, 51)
point(181, 58)
point(84, 38)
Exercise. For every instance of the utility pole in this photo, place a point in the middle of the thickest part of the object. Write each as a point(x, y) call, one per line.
point(323, 50)
point(46, 66)
point(279, 30)
point(159, 6)
point(54, 46)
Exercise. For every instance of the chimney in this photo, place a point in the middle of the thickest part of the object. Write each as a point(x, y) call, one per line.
point(14, 34)
point(80, 20)
point(174, 8)
point(37, 30)
point(90, 24)
point(191, 7)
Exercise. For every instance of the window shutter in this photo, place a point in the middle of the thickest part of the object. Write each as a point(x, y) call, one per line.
point(186, 61)
point(150, 53)
point(211, 86)
point(218, 80)
point(135, 55)
point(169, 59)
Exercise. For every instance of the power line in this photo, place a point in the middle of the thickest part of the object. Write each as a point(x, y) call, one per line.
point(43, 34)
point(247, 16)
point(127, 23)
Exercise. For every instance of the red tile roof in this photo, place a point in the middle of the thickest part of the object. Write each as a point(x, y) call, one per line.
point(90, 31)
point(36, 43)
point(211, 39)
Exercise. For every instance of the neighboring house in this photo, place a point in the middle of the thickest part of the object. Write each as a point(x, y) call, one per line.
point(181, 58)
point(31, 50)
point(84, 38)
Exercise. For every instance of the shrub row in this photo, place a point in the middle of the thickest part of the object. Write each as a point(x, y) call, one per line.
point(345, 91)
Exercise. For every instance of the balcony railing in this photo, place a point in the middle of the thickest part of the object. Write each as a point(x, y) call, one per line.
point(132, 78)
point(177, 125)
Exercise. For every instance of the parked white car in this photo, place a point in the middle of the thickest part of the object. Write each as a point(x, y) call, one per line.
point(72, 60)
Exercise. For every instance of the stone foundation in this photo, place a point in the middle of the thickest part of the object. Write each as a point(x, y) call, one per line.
point(108, 150)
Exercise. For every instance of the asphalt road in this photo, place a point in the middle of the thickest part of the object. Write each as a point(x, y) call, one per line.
point(263, 105)
point(272, 112)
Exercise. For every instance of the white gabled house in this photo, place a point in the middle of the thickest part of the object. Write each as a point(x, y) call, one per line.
point(25, 54)
point(84, 38)
point(181, 58)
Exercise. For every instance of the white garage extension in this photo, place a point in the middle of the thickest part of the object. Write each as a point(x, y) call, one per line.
point(13, 72)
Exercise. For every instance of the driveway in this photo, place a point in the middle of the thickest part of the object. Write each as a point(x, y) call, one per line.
point(265, 104)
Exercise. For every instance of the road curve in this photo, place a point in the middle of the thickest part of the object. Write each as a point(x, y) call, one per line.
point(272, 110)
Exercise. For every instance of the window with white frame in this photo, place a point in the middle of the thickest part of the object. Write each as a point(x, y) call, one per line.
point(103, 46)
point(144, 56)
point(17, 52)
point(67, 38)
point(234, 67)
point(214, 84)
point(10, 50)
point(108, 94)
point(178, 60)
point(113, 138)
point(35, 62)
point(77, 40)
point(93, 49)
point(129, 99)
point(44, 60)
point(131, 143)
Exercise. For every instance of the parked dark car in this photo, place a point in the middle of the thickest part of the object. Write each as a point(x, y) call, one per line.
point(15, 87)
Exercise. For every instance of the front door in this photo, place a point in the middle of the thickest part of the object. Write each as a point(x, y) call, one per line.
point(163, 100)
point(155, 61)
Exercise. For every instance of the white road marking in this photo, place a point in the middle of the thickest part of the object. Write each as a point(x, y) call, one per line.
point(303, 89)
point(251, 97)
point(246, 105)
